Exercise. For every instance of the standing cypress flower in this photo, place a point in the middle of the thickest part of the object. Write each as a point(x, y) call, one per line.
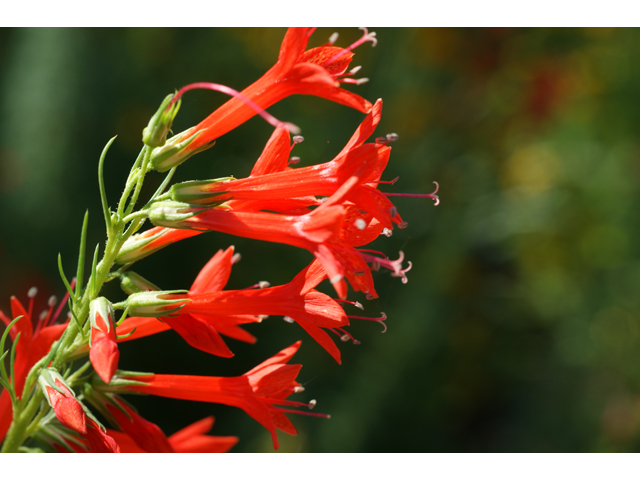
point(63, 401)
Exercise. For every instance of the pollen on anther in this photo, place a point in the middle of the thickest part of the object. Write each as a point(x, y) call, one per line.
point(402, 225)
point(345, 338)
point(53, 300)
point(33, 291)
point(358, 305)
point(386, 232)
point(236, 258)
point(362, 80)
point(298, 139)
point(392, 137)
point(263, 317)
point(294, 160)
point(312, 403)
point(355, 70)
point(298, 389)
point(360, 224)
point(289, 319)
point(43, 314)
point(264, 284)
point(333, 38)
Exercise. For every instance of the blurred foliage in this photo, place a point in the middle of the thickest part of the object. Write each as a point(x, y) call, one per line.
point(519, 329)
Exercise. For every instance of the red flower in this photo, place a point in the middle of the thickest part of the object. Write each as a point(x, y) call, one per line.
point(314, 72)
point(32, 346)
point(67, 409)
point(99, 441)
point(274, 186)
point(323, 232)
point(258, 392)
point(191, 439)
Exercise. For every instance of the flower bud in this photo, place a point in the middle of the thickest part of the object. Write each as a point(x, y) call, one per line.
point(170, 214)
point(152, 304)
point(104, 353)
point(197, 192)
point(131, 282)
point(175, 151)
point(63, 401)
point(155, 133)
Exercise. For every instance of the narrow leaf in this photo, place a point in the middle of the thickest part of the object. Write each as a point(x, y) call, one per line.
point(64, 279)
point(81, 255)
point(103, 193)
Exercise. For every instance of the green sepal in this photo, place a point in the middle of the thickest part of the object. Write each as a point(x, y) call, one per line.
point(168, 213)
point(175, 151)
point(131, 282)
point(155, 133)
point(193, 192)
point(47, 378)
point(150, 304)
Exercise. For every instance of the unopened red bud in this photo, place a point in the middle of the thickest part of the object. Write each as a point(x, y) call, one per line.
point(104, 353)
point(63, 401)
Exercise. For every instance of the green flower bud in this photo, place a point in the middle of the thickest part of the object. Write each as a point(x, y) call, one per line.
point(175, 151)
point(196, 192)
point(155, 133)
point(131, 283)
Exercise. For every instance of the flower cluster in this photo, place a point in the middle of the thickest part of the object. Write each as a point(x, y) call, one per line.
point(331, 209)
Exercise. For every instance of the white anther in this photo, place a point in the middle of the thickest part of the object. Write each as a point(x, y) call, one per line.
point(355, 70)
point(294, 160)
point(362, 80)
point(392, 137)
point(312, 403)
point(345, 338)
point(236, 258)
point(43, 314)
point(289, 319)
point(332, 39)
point(360, 224)
point(298, 139)
point(264, 284)
point(358, 305)
point(33, 291)
point(263, 317)
point(53, 300)
point(335, 279)
point(386, 232)
point(298, 389)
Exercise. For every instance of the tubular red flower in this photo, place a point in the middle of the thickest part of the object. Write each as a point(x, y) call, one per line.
point(295, 72)
point(104, 354)
point(257, 392)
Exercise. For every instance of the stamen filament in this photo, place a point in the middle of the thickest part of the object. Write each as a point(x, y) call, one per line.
point(273, 121)
point(366, 37)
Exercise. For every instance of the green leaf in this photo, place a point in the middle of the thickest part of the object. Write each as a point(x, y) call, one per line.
point(103, 193)
point(81, 255)
point(64, 279)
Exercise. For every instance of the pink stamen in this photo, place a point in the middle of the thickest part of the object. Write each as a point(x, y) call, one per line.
point(394, 265)
point(388, 182)
point(431, 195)
point(383, 317)
point(344, 335)
point(33, 291)
point(234, 93)
point(366, 37)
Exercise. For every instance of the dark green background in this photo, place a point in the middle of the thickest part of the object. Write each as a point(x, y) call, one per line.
point(519, 328)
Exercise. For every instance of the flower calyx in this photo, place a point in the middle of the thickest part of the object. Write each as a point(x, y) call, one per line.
point(155, 304)
point(168, 213)
point(175, 150)
point(197, 192)
point(155, 133)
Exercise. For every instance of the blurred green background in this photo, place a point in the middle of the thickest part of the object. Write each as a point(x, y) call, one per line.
point(519, 328)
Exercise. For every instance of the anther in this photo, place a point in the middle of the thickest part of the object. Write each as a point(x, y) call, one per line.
point(355, 70)
point(402, 225)
point(298, 389)
point(43, 315)
point(386, 232)
point(392, 137)
point(298, 139)
point(69, 315)
point(375, 266)
point(33, 291)
point(358, 305)
point(362, 80)
point(369, 296)
point(332, 39)
point(236, 258)
point(312, 403)
point(360, 224)
point(381, 140)
point(294, 160)
point(263, 317)
point(358, 273)
point(345, 338)
point(264, 284)
point(53, 300)
point(288, 319)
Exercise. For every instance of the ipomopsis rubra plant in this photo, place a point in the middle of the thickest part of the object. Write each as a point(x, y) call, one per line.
point(57, 373)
